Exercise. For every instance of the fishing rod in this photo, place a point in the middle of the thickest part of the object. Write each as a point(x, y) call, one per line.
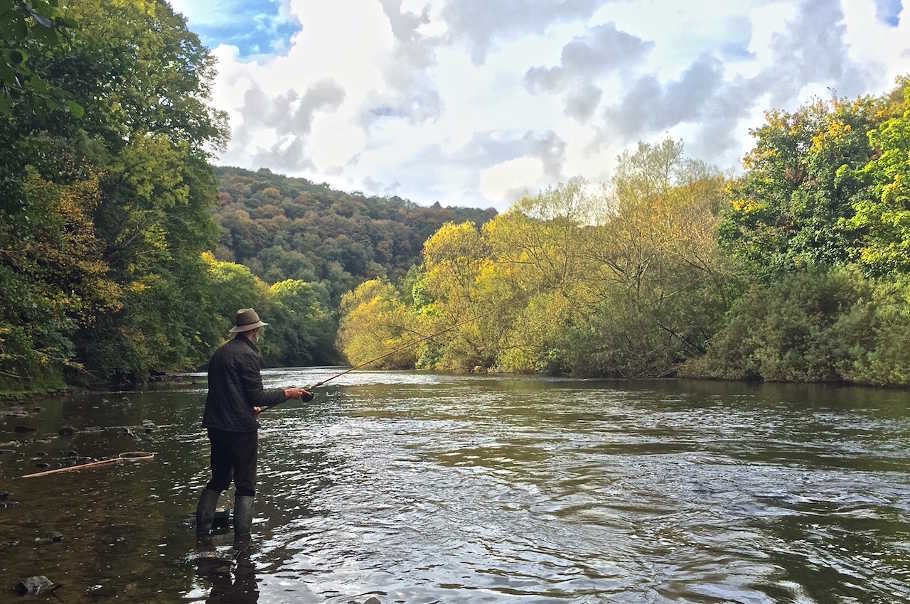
point(390, 353)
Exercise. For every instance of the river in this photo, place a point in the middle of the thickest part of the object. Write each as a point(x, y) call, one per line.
point(412, 487)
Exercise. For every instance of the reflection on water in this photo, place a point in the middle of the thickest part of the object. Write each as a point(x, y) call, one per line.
point(423, 488)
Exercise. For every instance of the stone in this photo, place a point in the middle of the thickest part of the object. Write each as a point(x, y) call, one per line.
point(34, 586)
point(372, 600)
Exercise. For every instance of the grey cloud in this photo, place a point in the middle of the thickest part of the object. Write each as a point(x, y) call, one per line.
point(581, 102)
point(479, 22)
point(291, 116)
point(435, 164)
point(413, 95)
point(282, 157)
point(280, 112)
point(602, 50)
point(810, 50)
point(648, 106)
point(380, 188)
point(486, 149)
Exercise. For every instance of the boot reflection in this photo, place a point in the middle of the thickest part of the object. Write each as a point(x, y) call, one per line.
point(232, 582)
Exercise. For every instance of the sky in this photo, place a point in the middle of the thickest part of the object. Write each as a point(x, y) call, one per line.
point(478, 102)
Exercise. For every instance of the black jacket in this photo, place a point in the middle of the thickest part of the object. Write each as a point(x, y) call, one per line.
point(235, 387)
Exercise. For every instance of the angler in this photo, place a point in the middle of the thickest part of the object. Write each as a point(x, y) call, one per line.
point(235, 397)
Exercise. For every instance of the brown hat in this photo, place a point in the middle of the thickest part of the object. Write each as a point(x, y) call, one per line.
point(246, 319)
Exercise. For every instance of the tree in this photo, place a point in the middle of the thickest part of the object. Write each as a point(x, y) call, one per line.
point(882, 213)
point(791, 210)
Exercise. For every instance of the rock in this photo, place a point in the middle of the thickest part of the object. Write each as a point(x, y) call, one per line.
point(52, 537)
point(21, 429)
point(373, 600)
point(66, 431)
point(42, 465)
point(35, 585)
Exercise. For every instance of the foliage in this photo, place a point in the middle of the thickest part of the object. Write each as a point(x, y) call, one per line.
point(375, 322)
point(812, 327)
point(291, 228)
point(883, 213)
point(629, 283)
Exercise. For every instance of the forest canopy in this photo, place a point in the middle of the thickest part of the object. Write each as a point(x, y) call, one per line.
point(797, 270)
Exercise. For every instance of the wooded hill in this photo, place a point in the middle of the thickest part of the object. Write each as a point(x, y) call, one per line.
point(292, 228)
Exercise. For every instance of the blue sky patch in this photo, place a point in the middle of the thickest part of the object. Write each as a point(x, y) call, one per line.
point(256, 27)
point(889, 11)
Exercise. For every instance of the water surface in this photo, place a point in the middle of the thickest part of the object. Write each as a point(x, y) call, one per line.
point(424, 488)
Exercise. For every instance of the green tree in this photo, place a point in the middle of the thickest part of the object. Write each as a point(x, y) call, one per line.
point(883, 213)
point(791, 209)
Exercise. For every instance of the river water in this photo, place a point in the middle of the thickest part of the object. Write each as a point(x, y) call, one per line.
point(423, 488)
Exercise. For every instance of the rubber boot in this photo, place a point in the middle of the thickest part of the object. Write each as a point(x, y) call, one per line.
point(243, 518)
point(205, 512)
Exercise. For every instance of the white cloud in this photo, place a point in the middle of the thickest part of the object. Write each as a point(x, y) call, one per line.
point(472, 102)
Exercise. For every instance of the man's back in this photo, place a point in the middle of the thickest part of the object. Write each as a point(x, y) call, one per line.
point(235, 385)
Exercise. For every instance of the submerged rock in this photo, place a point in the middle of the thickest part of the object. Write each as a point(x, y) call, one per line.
point(52, 537)
point(66, 431)
point(33, 586)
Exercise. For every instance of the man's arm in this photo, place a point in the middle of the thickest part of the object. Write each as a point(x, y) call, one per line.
point(251, 381)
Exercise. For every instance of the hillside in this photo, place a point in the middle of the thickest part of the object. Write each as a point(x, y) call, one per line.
point(283, 228)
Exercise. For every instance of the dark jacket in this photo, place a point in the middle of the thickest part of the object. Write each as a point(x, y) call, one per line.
point(235, 387)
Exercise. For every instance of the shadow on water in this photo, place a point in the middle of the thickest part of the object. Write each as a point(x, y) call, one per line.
point(412, 487)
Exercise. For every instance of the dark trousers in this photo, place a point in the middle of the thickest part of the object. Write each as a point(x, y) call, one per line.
point(233, 455)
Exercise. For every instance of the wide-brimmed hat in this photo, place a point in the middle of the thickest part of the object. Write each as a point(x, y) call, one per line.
point(246, 319)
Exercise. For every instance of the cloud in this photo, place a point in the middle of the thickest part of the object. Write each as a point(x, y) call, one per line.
point(650, 106)
point(603, 49)
point(290, 117)
point(411, 93)
point(479, 23)
point(470, 102)
point(809, 51)
point(582, 101)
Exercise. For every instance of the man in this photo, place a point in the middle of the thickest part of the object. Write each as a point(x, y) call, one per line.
point(235, 398)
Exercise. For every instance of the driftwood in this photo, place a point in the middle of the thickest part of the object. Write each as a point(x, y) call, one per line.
point(127, 456)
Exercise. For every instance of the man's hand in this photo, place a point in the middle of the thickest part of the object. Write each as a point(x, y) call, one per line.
point(293, 392)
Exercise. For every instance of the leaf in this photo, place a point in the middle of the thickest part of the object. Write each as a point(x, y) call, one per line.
point(76, 109)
